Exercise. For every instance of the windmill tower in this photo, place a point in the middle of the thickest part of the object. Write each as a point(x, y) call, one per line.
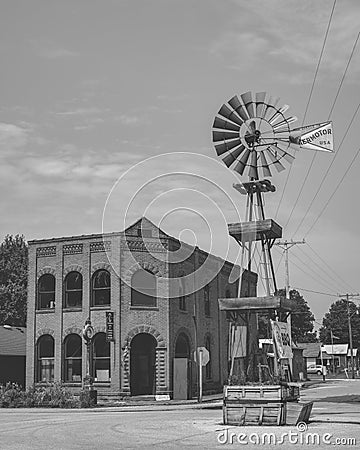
point(252, 136)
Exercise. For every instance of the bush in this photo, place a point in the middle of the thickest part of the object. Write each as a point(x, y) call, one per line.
point(87, 399)
point(52, 395)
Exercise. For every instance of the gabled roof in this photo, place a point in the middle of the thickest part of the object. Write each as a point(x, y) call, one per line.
point(12, 341)
point(310, 349)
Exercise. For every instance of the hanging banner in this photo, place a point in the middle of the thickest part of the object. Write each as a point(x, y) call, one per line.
point(318, 136)
point(282, 339)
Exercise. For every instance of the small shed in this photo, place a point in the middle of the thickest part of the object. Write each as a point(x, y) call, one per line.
point(12, 354)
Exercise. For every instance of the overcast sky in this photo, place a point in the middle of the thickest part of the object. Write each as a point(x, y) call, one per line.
point(91, 88)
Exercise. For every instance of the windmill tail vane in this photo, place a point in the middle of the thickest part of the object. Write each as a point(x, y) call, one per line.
point(251, 132)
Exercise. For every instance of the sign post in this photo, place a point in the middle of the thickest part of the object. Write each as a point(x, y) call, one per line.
point(201, 357)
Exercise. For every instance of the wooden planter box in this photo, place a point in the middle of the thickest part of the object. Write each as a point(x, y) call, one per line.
point(254, 405)
point(268, 393)
point(254, 414)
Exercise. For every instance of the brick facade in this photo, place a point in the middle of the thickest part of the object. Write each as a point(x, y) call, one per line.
point(121, 255)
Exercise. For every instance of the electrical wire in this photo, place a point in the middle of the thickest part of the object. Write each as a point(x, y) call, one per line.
point(330, 268)
point(319, 277)
point(332, 195)
point(315, 292)
point(331, 277)
point(328, 170)
point(309, 99)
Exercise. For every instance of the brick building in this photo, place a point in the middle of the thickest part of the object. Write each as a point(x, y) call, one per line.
point(164, 298)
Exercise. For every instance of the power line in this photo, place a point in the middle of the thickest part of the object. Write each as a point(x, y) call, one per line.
point(309, 99)
point(329, 115)
point(332, 195)
point(315, 292)
point(329, 267)
point(319, 277)
point(331, 277)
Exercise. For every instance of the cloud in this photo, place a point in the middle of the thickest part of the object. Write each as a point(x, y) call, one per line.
point(128, 119)
point(12, 137)
point(51, 50)
point(288, 34)
point(82, 111)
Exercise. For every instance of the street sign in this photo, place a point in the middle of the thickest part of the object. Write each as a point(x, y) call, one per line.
point(282, 339)
point(110, 326)
point(205, 355)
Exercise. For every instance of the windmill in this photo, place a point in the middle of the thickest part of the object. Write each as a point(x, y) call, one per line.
point(253, 136)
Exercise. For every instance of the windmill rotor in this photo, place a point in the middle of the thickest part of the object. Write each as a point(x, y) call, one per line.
point(251, 132)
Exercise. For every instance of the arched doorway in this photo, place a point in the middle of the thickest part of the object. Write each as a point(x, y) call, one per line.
point(142, 365)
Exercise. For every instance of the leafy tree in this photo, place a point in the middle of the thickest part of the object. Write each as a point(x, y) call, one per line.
point(13, 280)
point(336, 320)
point(302, 319)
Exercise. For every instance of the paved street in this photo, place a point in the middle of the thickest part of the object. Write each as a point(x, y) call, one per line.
point(176, 426)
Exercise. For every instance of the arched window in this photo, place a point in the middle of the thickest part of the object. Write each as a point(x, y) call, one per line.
point(100, 288)
point(45, 359)
point(182, 296)
point(73, 290)
point(101, 358)
point(182, 346)
point(208, 371)
point(46, 292)
point(72, 358)
point(143, 288)
point(207, 301)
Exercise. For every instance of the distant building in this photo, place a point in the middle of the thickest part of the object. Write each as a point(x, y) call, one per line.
point(311, 352)
point(12, 354)
point(71, 279)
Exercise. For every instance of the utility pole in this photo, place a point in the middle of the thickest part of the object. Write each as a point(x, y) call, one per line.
point(350, 330)
point(286, 246)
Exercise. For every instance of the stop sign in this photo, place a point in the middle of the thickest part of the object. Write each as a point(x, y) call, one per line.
point(205, 356)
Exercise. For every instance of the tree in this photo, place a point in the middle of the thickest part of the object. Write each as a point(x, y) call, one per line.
point(13, 280)
point(336, 321)
point(302, 320)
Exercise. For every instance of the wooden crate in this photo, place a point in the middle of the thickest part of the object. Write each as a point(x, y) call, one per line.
point(254, 414)
point(298, 412)
point(268, 393)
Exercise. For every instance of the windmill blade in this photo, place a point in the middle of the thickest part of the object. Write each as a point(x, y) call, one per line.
point(253, 170)
point(233, 155)
point(226, 146)
point(285, 123)
point(260, 104)
point(229, 114)
point(241, 164)
point(235, 103)
point(270, 107)
point(248, 102)
point(224, 124)
point(278, 114)
point(278, 166)
point(224, 135)
point(284, 154)
point(264, 165)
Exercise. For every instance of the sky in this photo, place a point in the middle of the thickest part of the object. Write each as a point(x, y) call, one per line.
point(106, 115)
